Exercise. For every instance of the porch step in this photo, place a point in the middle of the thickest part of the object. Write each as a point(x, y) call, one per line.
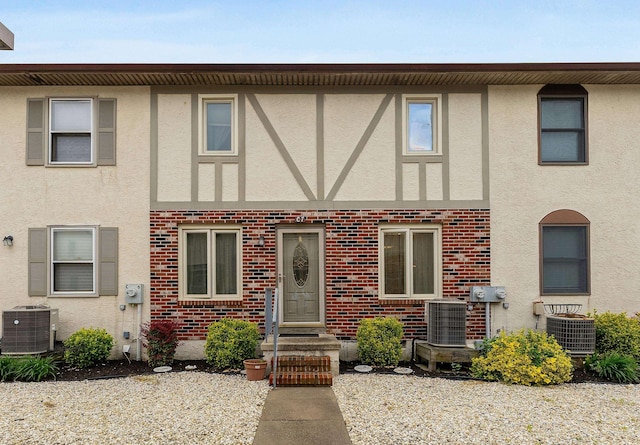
point(297, 370)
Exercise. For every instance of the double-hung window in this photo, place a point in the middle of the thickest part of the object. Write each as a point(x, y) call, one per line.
point(71, 131)
point(410, 261)
point(218, 125)
point(73, 260)
point(210, 263)
point(563, 124)
point(564, 244)
point(421, 117)
point(71, 127)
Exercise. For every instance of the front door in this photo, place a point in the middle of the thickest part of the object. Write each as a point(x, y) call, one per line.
point(301, 276)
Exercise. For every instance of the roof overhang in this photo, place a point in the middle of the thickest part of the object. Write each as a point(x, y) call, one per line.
point(6, 38)
point(318, 74)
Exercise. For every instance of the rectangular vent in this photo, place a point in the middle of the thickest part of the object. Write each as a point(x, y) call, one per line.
point(447, 323)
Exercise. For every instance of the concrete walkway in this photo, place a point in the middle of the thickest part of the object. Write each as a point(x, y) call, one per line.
point(301, 415)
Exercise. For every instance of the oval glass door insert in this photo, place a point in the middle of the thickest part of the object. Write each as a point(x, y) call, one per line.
point(300, 265)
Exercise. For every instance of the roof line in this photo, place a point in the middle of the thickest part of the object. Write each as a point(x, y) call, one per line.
point(316, 67)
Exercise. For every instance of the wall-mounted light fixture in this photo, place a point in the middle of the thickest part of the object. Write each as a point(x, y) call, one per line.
point(7, 240)
point(261, 241)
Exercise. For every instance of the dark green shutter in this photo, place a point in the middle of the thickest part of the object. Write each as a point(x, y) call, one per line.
point(108, 261)
point(37, 262)
point(36, 137)
point(106, 141)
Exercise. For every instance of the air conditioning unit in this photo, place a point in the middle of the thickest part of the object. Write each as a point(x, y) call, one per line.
point(574, 332)
point(447, 323)
point(29, 330)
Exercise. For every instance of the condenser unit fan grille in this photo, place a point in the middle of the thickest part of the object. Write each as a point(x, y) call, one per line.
point(27, 330)
point(574, 333)
point(447, 323)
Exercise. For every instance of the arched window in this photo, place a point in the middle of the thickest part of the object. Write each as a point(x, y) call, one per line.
point(562, 120)
point(564, 254)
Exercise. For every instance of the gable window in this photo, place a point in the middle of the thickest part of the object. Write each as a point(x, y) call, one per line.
point(410, 261)
point(564, 244)
point(210, 263)
point(73, 261)
point(421, 124)
point(71, 132)
point(563, 124)
point(218, 130)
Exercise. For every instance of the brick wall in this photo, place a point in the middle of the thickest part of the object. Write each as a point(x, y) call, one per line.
point(351, 257)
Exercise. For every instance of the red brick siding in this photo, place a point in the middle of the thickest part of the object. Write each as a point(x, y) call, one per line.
point(351, 257)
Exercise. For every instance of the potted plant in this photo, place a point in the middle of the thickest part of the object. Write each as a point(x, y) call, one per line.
point(255, 368)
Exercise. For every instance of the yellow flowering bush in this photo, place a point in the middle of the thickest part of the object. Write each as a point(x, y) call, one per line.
point(525, 357)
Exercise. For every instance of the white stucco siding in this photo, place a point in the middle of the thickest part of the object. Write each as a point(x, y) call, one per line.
point(465, 146)
point(106, 196)
point(268, 177)
point(522, 193)
point(293, 117)
point(435, 190)
point(347, 117)
point(372, 176)
point(411, 182)
point(206, 182)
point(174, 147)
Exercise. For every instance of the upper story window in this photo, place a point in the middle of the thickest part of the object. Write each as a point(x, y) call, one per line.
point(218, 129)
point(422, 130)
point(210, 263)
point(564, 254)
point(71, 127)
point(410, 259)
point(71, 132)
point(563, 125)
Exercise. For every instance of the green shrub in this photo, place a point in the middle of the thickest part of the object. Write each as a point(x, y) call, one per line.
point(617, 333)
point(27, 369)
point(524, 358)
point(161, 341)
point(35, 369)
point(87, 347)
point(230, 342)
point(7, 368)
point(613, 366)
point(379, 341)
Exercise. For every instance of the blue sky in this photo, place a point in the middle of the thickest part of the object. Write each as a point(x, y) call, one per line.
point(321, 31)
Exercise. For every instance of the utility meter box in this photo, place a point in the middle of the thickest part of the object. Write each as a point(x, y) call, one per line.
point(487, 294)
point(133, 293)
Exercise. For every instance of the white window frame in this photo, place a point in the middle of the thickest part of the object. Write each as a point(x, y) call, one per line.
point(94, 262)
point(410, 229)
point(210, 230)
point(436, 122)
point(92, 130)
point(205, 99)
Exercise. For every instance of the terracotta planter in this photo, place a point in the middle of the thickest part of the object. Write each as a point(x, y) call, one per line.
point(255, 368)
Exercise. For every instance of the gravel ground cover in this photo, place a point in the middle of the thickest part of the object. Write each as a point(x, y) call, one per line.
point(173, 408)
point(397, 410)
